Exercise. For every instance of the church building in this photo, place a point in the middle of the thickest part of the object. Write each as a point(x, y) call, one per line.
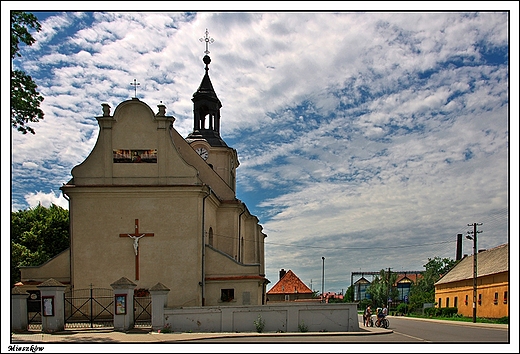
point(155, 207)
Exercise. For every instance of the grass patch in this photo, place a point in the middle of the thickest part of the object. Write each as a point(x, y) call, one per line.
point(503, 320)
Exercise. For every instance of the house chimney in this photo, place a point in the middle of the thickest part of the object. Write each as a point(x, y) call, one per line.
point(459, 247)
point(282, 273)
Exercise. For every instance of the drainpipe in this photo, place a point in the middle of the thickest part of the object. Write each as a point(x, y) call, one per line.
point(203, 280)
point(71, 283)
point(239, 234)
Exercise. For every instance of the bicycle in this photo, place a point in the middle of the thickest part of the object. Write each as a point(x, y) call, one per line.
point(384, 323)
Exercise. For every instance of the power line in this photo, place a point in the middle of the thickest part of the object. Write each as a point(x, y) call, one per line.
point(361, 248)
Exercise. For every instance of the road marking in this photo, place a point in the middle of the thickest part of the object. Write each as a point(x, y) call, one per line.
point(417, 338)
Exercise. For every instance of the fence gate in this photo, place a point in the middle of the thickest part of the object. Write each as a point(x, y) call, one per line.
point(143, 311)
point(34, 310)
point(92, 307)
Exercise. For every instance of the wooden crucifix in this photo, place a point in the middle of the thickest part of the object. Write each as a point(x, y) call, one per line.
point(136, 236)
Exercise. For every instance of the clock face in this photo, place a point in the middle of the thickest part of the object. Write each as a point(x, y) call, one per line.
point(202, 152)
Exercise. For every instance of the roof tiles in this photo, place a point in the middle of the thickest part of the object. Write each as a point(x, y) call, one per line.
point(492, 261)
point(290, 284)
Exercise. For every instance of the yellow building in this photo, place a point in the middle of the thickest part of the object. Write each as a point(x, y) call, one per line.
point(455, 289)
point(154, 207)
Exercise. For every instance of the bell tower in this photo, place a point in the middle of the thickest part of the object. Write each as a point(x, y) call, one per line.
point(205, 138)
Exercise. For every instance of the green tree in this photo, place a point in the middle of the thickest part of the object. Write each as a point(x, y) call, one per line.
point(349, 294)
point(424, 290)
point(382, 288)
point(37, 235)
point(25, 99)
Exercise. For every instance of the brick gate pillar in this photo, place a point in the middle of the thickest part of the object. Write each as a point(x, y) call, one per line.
point(159, 294)
point(53, 305)
point(124, 304)
point(19, 320)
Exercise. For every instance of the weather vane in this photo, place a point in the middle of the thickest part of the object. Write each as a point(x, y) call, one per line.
point(207, 40)
point(135, 84)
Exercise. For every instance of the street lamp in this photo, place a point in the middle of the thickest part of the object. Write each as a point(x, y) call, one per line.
point(323, 280)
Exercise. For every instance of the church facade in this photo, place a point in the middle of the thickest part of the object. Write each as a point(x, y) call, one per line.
point(155, 207)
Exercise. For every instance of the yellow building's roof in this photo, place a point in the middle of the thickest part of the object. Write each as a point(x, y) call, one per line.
point(492, 261)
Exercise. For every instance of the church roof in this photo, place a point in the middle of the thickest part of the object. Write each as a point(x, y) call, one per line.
point(290, 284)
point(210, 136)
point(205, 89)
point(493, 261)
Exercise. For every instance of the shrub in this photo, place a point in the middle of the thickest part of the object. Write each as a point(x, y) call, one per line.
point(259, 324)
point(441, 312)
point(302, 327)
point(448, 312)
point(402, 308)
point(503, 320)
point(166, 329)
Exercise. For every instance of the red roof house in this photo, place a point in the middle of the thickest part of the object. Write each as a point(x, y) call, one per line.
point(290, 288)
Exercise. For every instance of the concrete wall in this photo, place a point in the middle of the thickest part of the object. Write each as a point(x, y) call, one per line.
point(57, 268)
point(278, 317)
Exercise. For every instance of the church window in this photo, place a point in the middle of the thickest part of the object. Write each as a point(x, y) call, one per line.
point(227, 295)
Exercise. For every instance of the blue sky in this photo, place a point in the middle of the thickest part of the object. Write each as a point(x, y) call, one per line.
point(369, 138)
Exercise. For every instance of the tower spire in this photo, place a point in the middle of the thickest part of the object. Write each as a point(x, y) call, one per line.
point(206, 105)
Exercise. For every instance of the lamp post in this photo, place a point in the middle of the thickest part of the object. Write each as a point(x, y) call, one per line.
point(323, 280)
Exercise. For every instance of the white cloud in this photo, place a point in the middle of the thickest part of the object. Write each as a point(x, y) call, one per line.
point(381, 128)
point(46, 199)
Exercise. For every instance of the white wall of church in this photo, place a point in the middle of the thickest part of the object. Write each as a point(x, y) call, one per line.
point(172, 256)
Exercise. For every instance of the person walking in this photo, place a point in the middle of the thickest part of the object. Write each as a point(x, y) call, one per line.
point(368, 315)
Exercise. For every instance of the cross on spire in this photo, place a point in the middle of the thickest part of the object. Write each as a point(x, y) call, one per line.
point(135, 84)
point(207, 40)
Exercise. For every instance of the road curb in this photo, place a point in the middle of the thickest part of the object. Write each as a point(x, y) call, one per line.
point(144, 336)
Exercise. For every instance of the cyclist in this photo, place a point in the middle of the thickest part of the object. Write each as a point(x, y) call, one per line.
point(381, 313)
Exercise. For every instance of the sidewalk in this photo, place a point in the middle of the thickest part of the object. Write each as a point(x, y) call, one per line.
point(145, 335)
point(139, 335)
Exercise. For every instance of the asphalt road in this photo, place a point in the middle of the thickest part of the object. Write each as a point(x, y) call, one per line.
point(403, 330)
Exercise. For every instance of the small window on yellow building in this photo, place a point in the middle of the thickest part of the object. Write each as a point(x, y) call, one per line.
point(466, 301)
point(455, 300)
point(447, 302)
point(440, 302)
point(505, 297)
point(480, 299)
point(495, 301)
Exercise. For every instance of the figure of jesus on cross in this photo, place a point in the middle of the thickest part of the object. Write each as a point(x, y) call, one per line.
point(136, 236)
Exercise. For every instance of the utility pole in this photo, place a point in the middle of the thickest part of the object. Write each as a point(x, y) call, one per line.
point(474, 238)
point(323, 280)
point(388, 289)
